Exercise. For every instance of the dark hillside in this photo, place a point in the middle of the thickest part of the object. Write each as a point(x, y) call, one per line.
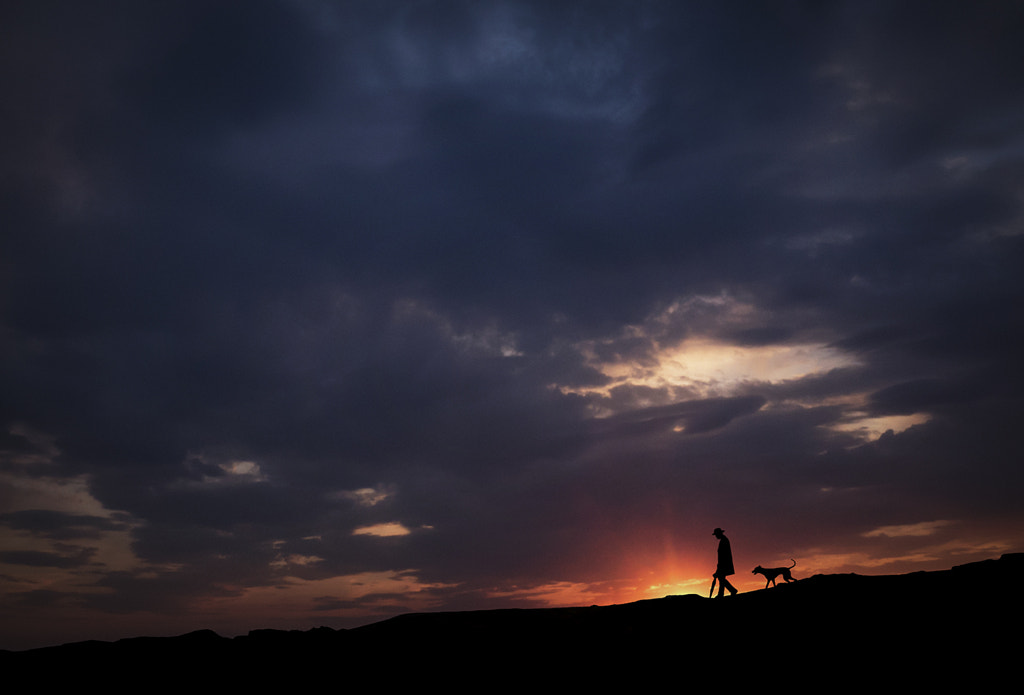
point(916, 628)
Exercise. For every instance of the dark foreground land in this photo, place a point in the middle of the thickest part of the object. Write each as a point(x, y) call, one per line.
point(826, 632)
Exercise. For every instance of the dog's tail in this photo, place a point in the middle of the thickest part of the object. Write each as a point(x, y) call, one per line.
point(794, 563)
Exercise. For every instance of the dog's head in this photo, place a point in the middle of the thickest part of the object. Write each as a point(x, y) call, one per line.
point(757, 569)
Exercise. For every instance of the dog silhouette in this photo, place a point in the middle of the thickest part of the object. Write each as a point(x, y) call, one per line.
point(772, 573)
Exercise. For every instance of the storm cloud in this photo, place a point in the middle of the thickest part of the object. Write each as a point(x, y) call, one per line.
point(314, 312)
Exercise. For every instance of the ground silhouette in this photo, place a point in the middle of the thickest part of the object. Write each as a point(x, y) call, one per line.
point(905, 630)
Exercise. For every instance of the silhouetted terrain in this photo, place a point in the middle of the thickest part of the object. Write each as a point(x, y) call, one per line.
point(817, 633)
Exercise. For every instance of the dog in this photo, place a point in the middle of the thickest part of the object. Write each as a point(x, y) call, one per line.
point(772, 573)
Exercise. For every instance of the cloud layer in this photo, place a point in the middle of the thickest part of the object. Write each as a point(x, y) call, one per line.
point(316, 312)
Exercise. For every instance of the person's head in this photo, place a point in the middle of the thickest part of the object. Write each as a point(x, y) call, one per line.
point(718, 533)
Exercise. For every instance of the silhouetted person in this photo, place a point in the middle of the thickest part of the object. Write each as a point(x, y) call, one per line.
point(725, 567)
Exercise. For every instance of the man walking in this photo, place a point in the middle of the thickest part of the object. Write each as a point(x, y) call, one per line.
point(725, 567)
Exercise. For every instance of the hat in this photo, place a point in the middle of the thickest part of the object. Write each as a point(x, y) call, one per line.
point(717, 531)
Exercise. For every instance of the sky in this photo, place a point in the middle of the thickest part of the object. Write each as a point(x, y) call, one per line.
point(315, 312)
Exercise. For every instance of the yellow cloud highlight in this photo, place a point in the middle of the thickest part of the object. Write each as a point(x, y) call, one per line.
point(924, 528)
point(246, 468)
point(367, 496)
point(707, 368)
point(391, 528)
point(645, 369)
point(233, 471)
point(712, 365)
point(672, 356)
point(871, 428)
point(283, 563)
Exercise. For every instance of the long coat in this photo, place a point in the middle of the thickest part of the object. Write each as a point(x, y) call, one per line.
point(725, 567)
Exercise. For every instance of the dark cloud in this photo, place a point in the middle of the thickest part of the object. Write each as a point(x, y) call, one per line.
point(223, 66)
point(60, 526)
point(693, 416)
point(385, 306)
point(923, 395)
point(34, 558)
